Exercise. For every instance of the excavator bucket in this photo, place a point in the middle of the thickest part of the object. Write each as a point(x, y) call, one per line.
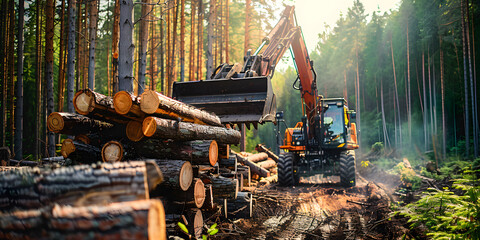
point(236, 100)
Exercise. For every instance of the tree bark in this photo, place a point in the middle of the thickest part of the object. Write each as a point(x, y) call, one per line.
point(472, 89)
point(18, 150)
point(197, 152)
point(126, 48)
point(210, 37)
point(153, 102)
point(168, 129)
point(182, 41)
point(72, 12)
point(142, 53)
point(93, 37)
point(96, 105)
point(74, 124)
point(177, 174)
point(465, 79)
point(142, 219)
point(245, 172)
point(444, 130)
point(77, 185)
point(194, 197)
point(61, 60)
point(80, 152)
point(241, 207)
point(225, 188)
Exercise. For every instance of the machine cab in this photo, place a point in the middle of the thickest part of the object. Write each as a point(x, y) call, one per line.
point(338, 130)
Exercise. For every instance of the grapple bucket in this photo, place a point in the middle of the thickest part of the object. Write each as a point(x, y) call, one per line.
point(236, 100)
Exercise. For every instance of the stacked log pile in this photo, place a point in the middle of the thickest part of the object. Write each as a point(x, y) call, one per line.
point(126, 151)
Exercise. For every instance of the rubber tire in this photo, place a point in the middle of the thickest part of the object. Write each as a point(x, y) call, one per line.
point(347, 170)
point(285, 169)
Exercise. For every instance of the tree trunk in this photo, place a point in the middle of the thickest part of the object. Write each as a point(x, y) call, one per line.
point(191, 59)
point(425, 129)
point(472, 89)
point(177, 174)
point(11, 74)
point(72, 12)
point(126, 48)
point(197, 152)
point(182, 41)
point(92, 39)
point(210, 37)
point(201, 14)
point(143, 219)
point(153, 102)
point(115, 51)
point(409, 106)
point(444, 130)
point(168, 129)
point(396, 93)
point(80, 152)
point(465, 78)
point(74, 124)
point(38, 82)
point(77, 185)
point(142, 59)
point(61, 60)
point(223, 188)
point(18, 150)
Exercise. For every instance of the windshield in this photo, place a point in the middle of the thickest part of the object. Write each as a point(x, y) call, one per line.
point(334, 124)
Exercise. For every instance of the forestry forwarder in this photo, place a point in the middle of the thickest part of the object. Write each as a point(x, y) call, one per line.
point(322, 143)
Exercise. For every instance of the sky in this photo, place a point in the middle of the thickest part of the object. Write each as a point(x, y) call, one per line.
point(313, 14)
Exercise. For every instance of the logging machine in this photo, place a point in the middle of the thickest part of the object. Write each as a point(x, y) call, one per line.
point(324, 140)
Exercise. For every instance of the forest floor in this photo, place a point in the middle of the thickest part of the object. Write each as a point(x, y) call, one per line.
point(322, 209)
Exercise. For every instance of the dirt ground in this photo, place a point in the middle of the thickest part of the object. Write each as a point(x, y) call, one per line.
point(323, 210)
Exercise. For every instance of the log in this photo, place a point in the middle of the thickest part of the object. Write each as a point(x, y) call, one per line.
point(29, 188)
point(230, 162)
point(126, 103)
point(257, 157)
point(201, 152)
point(262, 172)
point(223, 188)
point(144, 219)
point(14, 162)
point(74, 124)
point(80, 152)
point(154, 102)
point(134, 131)
point(267, 164)
point(209, 203)
point(262, 148)
point(98, 106)
point(268, 180)
point(23, 225)
point(223, 151)
point(177, 174)
point(245, 172)
point(192, 218)
point(112, 151)
point(241, 207)
point(194, 197)
point(168, 129)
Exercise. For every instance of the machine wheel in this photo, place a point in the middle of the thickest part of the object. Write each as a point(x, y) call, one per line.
point(347, 169)
point(285, 169)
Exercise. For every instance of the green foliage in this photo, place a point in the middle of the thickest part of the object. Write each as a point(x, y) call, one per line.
point(407, 176)
point(377, 147)
point(449, 214)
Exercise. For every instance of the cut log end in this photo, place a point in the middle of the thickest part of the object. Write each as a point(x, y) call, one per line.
point(67, 147)
point(186, 176)
point(213, 153)
point(150, 102)
point(149, 126)
point(55, 122)
point(156, 219)
point(199, 193)
point(112, 152)
point(84, 102)
point(122, 101)
point(134, 131)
